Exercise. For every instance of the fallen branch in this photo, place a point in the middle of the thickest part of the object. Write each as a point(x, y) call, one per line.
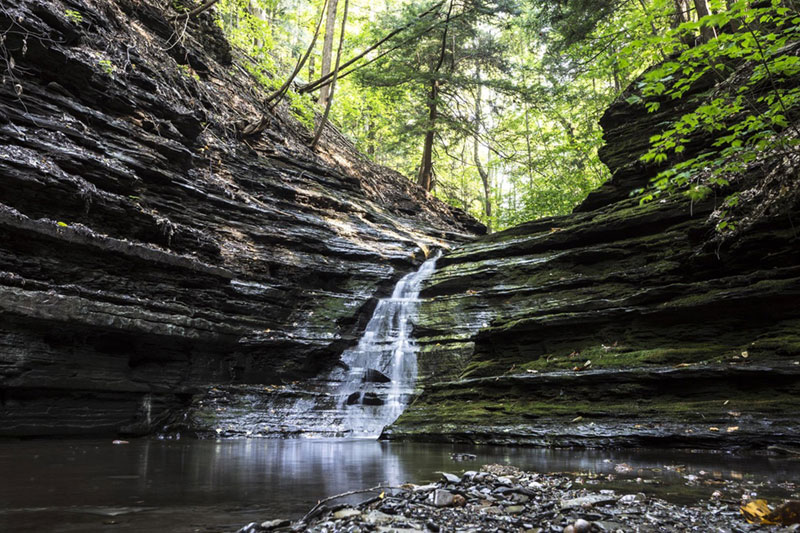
point(342, 495)
point(196, 11)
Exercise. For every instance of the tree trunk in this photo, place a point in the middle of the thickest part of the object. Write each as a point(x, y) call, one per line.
point(487, 189)
point(425, 176)
point(653, 28)
point(329, 99)
point(327, 47)
point(681, 13)
point(707, 32)
point(735, 24)
point(258, 13)
point(277, 95)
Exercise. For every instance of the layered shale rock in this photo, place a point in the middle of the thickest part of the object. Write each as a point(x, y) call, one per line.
point(146, 249)
point(619, 324)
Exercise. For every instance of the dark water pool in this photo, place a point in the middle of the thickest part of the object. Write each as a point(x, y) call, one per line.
point(204, 486)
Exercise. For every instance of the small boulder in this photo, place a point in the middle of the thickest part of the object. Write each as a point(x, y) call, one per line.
point(582, 526)
point(442, 498)
point(370, 398)
point(375, 376)
point(347, 512)
point(451, 478)
point(376, 517)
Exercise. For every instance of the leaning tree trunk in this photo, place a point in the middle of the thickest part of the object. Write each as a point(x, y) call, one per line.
point(329, 99)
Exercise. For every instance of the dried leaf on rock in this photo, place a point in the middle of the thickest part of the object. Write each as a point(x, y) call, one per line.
point(758, 512)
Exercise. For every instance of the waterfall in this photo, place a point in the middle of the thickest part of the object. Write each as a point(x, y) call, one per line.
point(374, 380)
point(381, 371)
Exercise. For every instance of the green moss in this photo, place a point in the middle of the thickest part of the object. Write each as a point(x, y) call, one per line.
point(438, 409)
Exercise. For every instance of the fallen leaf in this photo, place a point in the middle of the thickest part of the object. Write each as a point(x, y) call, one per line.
point(756, 511)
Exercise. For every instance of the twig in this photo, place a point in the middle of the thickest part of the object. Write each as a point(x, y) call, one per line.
point(342, 495)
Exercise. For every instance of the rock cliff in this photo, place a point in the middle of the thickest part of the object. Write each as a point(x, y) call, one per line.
point(617, 325)
point(148, 251)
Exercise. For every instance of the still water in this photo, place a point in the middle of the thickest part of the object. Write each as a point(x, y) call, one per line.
point(205, 486)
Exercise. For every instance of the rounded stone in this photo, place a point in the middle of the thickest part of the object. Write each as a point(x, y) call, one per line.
point(581, 526)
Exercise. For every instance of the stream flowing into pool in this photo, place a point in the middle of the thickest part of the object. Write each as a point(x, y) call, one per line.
point(203, 486)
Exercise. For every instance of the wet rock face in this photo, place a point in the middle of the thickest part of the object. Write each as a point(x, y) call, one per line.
point(146, 251)
point(615, 325)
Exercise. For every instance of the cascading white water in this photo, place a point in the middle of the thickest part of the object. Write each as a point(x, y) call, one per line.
point(382, 369)
point(375, 379)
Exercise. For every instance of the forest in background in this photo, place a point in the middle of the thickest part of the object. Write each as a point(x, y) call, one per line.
point(493, 105)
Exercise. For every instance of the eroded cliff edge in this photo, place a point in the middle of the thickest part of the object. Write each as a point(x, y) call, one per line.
point(621, 324)
point(147, 250)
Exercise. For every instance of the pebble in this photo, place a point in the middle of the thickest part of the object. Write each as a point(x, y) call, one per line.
point(582, 526)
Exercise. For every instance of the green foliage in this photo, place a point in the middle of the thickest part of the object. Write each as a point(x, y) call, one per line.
point(547, 72)
point(107, 66)
point(74, 16)
point(744, 118)
point(187, 71)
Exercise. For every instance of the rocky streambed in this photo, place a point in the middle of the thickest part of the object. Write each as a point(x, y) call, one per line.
point(505, 498)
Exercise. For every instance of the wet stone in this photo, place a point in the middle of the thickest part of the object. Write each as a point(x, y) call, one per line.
point(353, 398)
point(451, 478)
point(346, 513)
point(370, 398)
point(591, 500)
point(269, 525)
point(375, 376)
point(442, 498)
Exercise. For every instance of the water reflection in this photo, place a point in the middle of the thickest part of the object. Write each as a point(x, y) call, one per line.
point(207, 485)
